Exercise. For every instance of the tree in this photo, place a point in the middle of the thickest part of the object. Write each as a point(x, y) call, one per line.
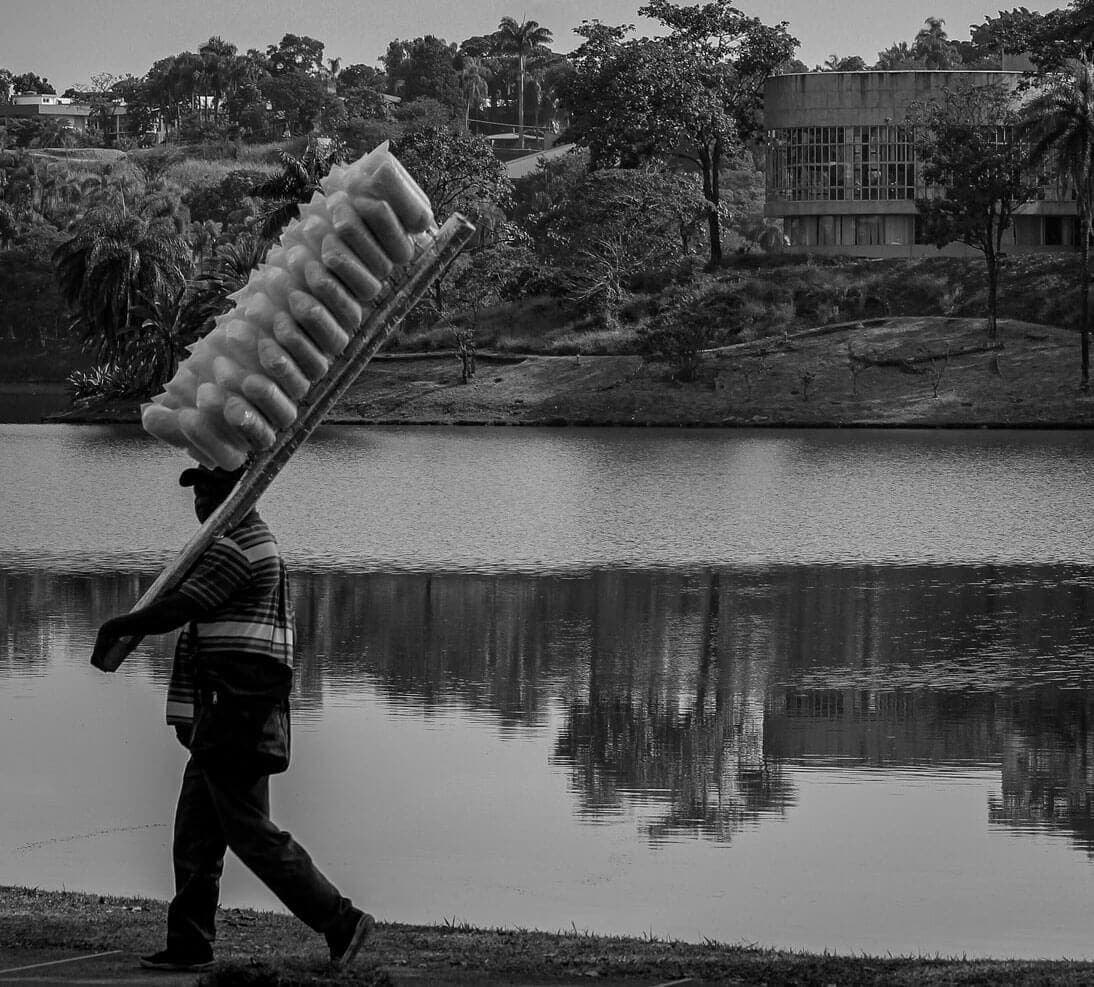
point(1059, 123)
point(973, 170)
point(424, 68)
point(30, 82)
point(694, 95)
point(458, 171)
point(295, 53)
point(474, 83)
point(300, 98)
point(298, 181)
point(1063, 36)
point(895, 57)
point(114, 262)
point(599, 230)
point(932, 48)
point(139, 107)
point(522, 40)
point(851, 63)
point(361, 88)
point(1013, 31)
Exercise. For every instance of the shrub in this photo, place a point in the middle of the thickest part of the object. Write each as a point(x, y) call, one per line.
point(691, 322)
point(102, 383)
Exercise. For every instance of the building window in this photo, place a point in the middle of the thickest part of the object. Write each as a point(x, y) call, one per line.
point(835, 163)
point(1027, 231)
point(868, 231)
point(899, 230)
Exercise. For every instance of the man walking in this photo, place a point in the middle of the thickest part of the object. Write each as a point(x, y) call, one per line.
point(228, 702)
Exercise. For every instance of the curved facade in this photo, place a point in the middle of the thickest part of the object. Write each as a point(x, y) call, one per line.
point(841, 170)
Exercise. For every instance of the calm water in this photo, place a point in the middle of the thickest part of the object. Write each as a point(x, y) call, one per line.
point(814, 690)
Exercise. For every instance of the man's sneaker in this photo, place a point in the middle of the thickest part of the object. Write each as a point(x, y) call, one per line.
point(346, 943)
point(176, 962)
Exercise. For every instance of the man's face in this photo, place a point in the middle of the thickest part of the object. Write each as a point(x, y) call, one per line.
point(207, 498)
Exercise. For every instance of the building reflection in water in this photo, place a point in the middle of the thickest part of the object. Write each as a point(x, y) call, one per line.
point(690, 693)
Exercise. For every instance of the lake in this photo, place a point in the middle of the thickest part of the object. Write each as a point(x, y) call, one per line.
point(817, 690)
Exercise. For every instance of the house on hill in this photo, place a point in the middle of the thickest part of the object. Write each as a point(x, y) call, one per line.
point(70, 113)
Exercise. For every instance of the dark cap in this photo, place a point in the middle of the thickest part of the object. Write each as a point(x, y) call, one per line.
point(215, 477)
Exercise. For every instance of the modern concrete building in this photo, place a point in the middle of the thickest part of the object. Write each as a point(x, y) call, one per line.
point(842, 173)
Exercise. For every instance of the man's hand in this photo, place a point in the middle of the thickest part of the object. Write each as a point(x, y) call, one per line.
point(165, 615)
point(109, 634)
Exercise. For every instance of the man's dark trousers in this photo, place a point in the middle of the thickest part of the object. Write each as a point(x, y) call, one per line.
point(230, 809)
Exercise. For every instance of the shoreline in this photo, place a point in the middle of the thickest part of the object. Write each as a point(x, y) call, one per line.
point(898, 373)
point(261, 947)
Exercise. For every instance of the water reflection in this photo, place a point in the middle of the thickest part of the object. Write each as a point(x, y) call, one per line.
point(688, 694)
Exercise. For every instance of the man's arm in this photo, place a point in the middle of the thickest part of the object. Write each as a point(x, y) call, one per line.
point(166, 614)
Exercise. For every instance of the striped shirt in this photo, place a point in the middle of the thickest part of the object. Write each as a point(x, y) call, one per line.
point(242, 590)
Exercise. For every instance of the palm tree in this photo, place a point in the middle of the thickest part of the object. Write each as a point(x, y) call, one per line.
point(226, 271)
point(299, 178)
point(1059, 122)
point(522, 40)
point(114, 261)
point(218, 57)
point(474, 78)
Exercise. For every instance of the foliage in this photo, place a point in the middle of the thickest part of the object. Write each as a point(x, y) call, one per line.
point(610, 226)
point(104, 382)
point(1062, 36)
point(295, 54)
point(361, 88)
point(930, 49)
point(1059, 122)
point(456, 170)
point(301, 99)
point(973, 169)
point(522, 40)
point(227, 271)
point(1012, 31)
point(31, 82)
point(113, 262)
point(834, 63)
point(223, 200)
point(424, 67)
point(298, 180)
point(679, 334)
point(424, 112)
point(694, 94)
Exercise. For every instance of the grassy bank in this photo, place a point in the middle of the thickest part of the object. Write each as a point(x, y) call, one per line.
point(917, 372)
point(268, 948)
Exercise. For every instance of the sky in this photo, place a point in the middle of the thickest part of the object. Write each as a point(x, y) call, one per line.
point(68, 41)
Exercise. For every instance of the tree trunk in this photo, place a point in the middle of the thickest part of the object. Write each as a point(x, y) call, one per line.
point(520, 102)
point(993, 294)
point(709, 160)
point(1084, 293)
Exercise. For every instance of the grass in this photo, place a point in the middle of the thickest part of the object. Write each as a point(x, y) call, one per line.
point(195, 173)
point(265, 948)
point(759, 296)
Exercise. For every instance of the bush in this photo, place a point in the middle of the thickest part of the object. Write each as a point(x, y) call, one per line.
point(692, 321)
point(102, 383)
point(230, 194)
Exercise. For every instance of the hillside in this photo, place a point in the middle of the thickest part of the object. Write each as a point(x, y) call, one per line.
point(899, 371)
point(928, 372)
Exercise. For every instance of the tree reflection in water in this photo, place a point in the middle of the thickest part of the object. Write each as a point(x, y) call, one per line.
point(689, 691)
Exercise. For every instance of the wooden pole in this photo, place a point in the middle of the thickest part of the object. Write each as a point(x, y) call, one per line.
point(405, 289)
